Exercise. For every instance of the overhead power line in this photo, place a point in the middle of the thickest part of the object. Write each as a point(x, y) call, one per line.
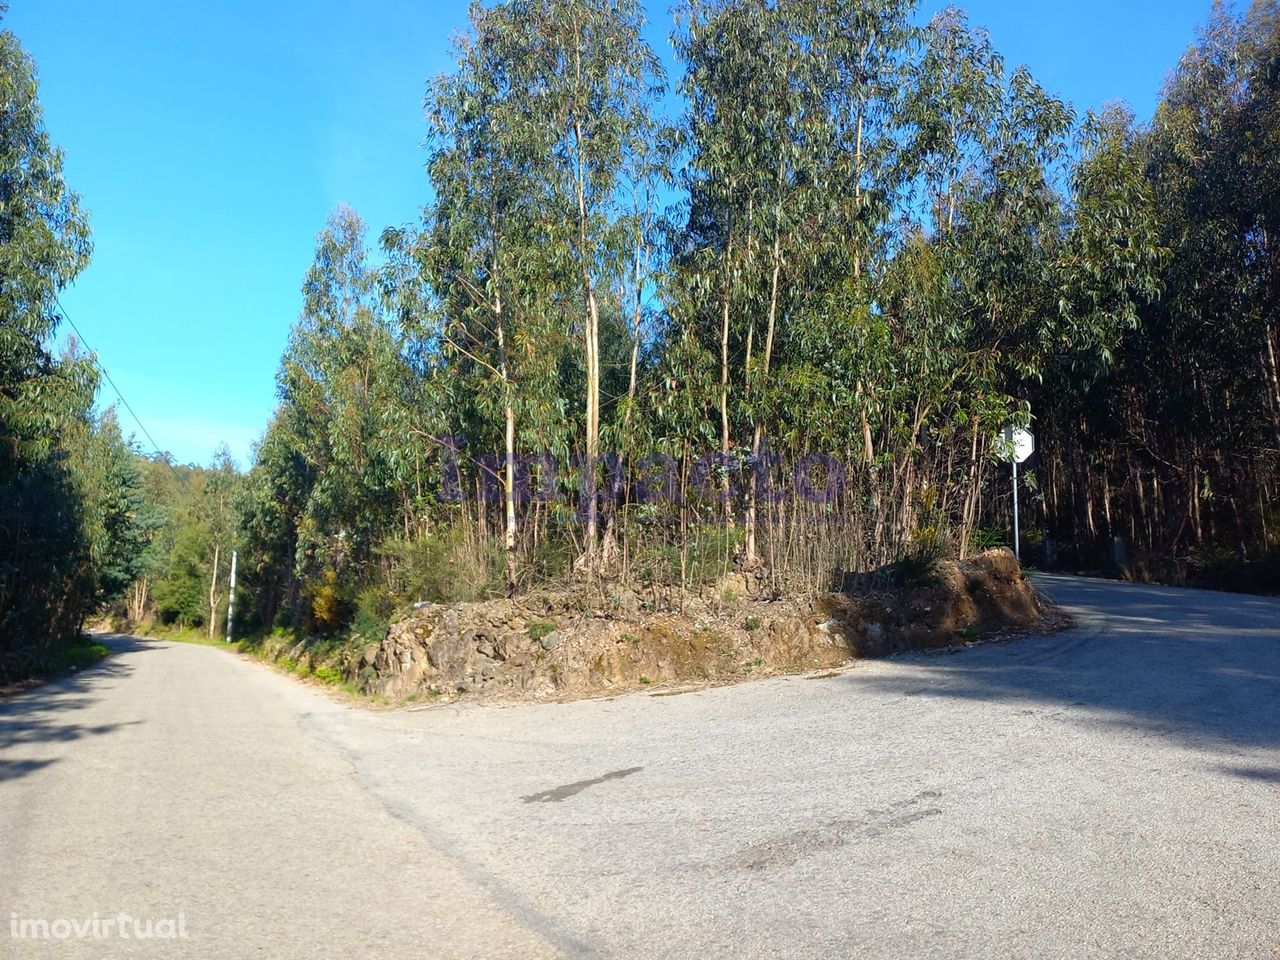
point(105, 373)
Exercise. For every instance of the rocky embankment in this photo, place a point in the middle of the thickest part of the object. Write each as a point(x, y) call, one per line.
point(575, 644)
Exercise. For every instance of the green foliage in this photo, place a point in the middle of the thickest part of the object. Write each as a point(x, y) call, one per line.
point(918, 567)
point(1170, 442)
point(343, 386)
point(328, 674)
point(539, 629)
point(187, 564)
point(329, 604)
point(72, 520)
point(374, 610)
point(986, 538)
point(886, 245)
point(180, 596)
point(446, 566)
point(705, 555)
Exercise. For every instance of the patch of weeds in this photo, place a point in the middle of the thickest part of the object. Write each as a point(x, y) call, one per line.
point(329, 675)
point(757, 662)
point(645, 681)
point(752, 623)
point(374, 609)
point(984, 538)
point(539, 629)
point(77, 656)
point(630, 638)
point(201, 638)
point(919, 567)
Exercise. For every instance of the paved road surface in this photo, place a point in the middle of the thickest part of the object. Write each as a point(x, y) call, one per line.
point(1112, 791)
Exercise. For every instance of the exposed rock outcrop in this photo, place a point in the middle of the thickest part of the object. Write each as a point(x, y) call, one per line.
point(565, 645)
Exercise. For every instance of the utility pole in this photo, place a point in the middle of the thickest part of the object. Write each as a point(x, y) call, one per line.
point(231, 603)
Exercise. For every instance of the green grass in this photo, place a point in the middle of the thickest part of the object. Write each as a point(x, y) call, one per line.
point(328, 674)
point(539, 629)
point(189, 635)
point(75, 657)
point(51, 664)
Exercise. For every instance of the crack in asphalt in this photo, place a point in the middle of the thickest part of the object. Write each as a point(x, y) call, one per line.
point(785, 850)
point(558, 794)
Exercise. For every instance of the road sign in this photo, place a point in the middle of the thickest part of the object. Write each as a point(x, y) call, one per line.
point(1015, 445)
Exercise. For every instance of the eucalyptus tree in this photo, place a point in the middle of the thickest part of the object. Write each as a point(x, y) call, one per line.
point(44, 244)
point(118, 519)
point(953, 102)
point(790, 132)
point(1172, 445)
point(545, 151)
point(491, 289)
point(343, 378)
point(182, 577)
point(219, 520)
point(46, 567)
point(269, 506)
point(593, 85)
point(964, 310)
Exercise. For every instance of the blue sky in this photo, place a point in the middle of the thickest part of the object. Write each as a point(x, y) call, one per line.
point(211, 139)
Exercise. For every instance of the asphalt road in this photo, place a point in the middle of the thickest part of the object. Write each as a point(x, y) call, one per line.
point(1111, 791)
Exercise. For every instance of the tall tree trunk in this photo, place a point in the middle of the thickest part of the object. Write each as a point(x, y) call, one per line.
point(725, 442)
point(857, 199)
point(138, 596)
point(970, 512)
point(1273, 378)
point(509, 470)
point(610, 552)
point(752, 557)
point(591, 337)
point(213, 592)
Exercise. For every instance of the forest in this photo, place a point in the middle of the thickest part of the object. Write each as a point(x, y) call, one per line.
point(768, 315)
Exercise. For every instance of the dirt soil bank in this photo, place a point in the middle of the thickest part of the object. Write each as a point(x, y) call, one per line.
point(567, 645)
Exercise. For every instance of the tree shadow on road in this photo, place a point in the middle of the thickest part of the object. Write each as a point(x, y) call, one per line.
point(44, 715)
point(1192, 666)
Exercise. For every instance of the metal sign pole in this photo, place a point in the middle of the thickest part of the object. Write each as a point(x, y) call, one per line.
point(1016, 445)
point(1017, 546)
